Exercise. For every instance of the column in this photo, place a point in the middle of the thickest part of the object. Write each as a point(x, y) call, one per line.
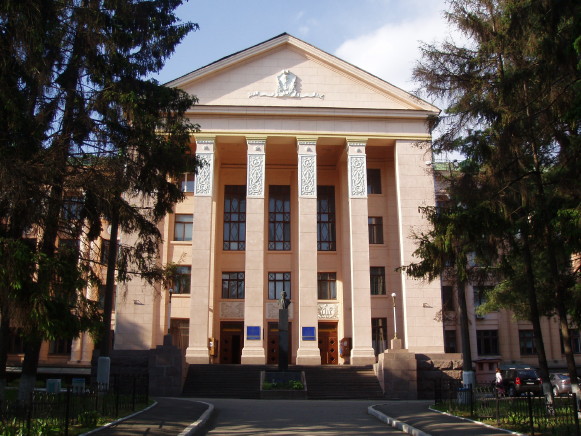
point(253, 351)
point(308, 352)
point(202, 253)
point(362, 352)
point(415, 187)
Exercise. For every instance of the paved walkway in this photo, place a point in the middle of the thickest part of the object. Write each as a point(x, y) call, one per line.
point(186, 416)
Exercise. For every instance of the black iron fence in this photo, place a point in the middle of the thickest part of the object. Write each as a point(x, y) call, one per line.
point(59, 413)
point(525, 413)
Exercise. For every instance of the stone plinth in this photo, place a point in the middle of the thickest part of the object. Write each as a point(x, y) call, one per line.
point(398, 373)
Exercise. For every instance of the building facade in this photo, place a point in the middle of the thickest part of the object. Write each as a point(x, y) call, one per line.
point(313, 174)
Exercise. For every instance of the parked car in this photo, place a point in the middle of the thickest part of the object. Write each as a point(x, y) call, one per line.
point(520, 380)
point(561, 383)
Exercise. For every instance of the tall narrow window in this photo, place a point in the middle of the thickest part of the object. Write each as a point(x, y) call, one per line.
point(183, 227)
point(183, 279)
point(60, 346)
point(279, 218)
point(375, 229)
point(278, 282)
point(233, 285)
point(450, 341)
point(527, 342)
point(327, 286)
point(234, 217)
point(326, 218)
point(447, 299)
point(373, 181)
point(377, 280)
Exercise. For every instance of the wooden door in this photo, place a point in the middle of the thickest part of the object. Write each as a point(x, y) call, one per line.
point(272, 344)
point(231, 342)
point(328, 343)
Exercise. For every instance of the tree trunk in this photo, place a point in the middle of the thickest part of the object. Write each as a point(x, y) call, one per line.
point(29, 368)
point(464, 326)
point(4, 338)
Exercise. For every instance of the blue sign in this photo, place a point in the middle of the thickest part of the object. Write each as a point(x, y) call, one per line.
point(253, 333)
point(309, 334)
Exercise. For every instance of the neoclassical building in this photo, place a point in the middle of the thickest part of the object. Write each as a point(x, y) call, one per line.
point(313, 174)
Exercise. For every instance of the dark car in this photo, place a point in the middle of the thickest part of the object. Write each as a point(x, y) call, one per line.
point(520, 380)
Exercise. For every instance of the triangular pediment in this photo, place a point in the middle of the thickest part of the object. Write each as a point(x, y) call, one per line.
point(287, 72)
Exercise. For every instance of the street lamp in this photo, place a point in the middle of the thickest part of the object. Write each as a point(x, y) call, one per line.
point(394, 323)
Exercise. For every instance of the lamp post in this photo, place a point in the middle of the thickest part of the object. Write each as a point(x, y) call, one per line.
point(394, 321)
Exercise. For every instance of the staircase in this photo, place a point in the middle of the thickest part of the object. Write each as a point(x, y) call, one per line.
point(223, 381)
point(331, 382)
point(334, 382)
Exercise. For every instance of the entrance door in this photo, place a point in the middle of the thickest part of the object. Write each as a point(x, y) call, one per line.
point(272, 351)
point(328, 344)
point(231, 341)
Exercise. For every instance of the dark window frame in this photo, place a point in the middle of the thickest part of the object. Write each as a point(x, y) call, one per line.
point(278, 282)
point(60, 347)
point(373, 181)
point(279, 218)
point(183, 227)
point(377, 280)
point(378, 329)
point(487, 342)
point(327, 286)
point(234, 230)
point(183, 279)
point(448, 303)
point(375, 225)
point(233, 285)
point(326, 219)
point(526, 341)
point(450, 341)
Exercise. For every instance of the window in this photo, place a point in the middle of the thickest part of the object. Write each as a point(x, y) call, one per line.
point(379, 334)
point(72, 208)
point(69, 245)
point(278, 282)
point(183, 227)
point(480, 295)
point(373, 181)
point(234, 217)
point(279, 225)
point(183, 280)
point(187, 182)
point(326, 218)
point(450, 341)
point(326, 285)
point(575, 342)
point(487, 342)
point(527, 342)
point(377, 280)
point(233, 285)
point(60, 347)
point(101, 297)
point(375, 229)
point(105, 251)
point(447, 299)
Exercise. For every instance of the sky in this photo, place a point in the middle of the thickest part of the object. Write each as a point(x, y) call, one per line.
point(378, 36)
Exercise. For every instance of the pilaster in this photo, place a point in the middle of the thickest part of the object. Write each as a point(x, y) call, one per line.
point(362, 352)
point(253, 351)
point(202, 253)
point(308, 352)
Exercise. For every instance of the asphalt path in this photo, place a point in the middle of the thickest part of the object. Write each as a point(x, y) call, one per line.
point(286, 417)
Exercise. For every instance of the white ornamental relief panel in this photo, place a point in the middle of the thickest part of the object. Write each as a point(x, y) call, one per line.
point(233, 309)
point(357, 176)
point(328, 311)
point(272, 311)
point(205, 174)
point(255, 175)
point(308, 175)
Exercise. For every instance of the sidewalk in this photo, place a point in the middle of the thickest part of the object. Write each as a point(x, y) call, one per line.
point(418, 415)
point(170, 416)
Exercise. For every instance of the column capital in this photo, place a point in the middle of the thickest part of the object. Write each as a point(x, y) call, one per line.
point(205, 147)
point(356, 146)
point(256, 167)
point(307, 145)
point(205, 144)
point(256, 144)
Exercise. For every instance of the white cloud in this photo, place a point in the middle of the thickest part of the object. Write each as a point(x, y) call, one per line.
point(391, 51)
